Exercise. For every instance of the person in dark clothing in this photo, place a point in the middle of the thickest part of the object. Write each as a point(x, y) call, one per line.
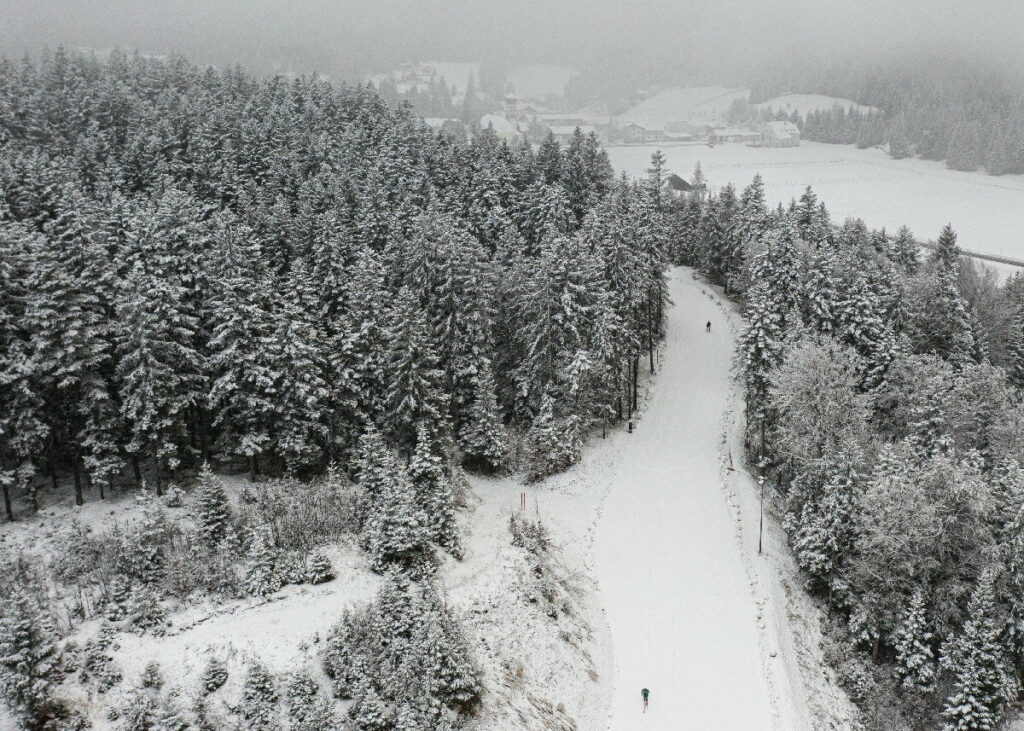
point(645, 693)
point(708, 326)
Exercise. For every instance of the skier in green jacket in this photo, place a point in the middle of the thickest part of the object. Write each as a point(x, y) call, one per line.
point(645, 693)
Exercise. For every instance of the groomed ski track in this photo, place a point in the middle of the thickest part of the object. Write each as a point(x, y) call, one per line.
point(675, 574)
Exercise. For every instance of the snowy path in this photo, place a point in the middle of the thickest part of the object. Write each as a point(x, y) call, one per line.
point(683, 619)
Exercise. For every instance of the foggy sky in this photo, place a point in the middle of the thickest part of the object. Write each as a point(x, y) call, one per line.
point(351, 37)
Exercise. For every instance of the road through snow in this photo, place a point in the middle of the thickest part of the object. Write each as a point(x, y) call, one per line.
point(683, 619)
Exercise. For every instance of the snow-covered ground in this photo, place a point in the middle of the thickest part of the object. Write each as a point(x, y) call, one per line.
point(987, 212)
point(806, 103)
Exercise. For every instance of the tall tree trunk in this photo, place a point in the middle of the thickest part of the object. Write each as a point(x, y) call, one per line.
point(650, 335)
point(76, 467)
point(52, 460)
point(253, 467)
point(136, 470)
point(636, 377)
point(7, 503)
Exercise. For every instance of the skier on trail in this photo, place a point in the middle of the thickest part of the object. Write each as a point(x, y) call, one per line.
point(645, 693)
point(708, 326)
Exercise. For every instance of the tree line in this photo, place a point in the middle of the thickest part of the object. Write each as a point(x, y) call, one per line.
point(968, 113)
point(884, 407)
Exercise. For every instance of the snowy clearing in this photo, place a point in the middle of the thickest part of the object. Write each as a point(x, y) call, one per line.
point(987, 212)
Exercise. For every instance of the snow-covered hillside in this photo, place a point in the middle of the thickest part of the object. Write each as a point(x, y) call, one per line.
point(698, 105)
point(987, 212)
point(804, 104)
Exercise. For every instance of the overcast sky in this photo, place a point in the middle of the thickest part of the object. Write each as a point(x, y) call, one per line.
point(306, 34)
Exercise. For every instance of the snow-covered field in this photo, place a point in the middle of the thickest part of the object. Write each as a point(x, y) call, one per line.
point(987, 212)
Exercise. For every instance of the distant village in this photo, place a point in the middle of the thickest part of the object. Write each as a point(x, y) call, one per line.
point(515, 117)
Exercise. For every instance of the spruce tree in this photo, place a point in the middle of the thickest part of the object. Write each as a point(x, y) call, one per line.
point(984, 683)
point(28, 656)
point(260, 698)
point(915, 659)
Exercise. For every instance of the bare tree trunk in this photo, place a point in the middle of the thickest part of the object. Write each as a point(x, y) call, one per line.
point(253, 468)
point(7, 504)
point(136, 470)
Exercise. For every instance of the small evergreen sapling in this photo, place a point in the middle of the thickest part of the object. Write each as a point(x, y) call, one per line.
point(213, 513)
point(319, 569)
point(262, 577)
point(214, 676)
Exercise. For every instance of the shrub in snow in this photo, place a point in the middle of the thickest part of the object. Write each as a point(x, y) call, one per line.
point(151, 676)
point(214, 676)
point(29, 658)
point(175, 497)
point(259, 698)
point(318, 568)
point(261, 574)
point(309, 708)
point(213, 512)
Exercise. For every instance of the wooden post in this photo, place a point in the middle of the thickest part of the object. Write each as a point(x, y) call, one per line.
point(522, 501)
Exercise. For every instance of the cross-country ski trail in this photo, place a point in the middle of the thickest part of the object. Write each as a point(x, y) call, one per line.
point(678, 601)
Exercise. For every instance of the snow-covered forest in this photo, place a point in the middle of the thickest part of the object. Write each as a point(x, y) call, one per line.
point(201, 273)
point(883, 405)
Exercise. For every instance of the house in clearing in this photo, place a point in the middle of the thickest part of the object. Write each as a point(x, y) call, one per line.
point(780, 134)
point(676, 186)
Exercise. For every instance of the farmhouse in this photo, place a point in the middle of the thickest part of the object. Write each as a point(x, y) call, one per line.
point(730, 134)
point(780, 134)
